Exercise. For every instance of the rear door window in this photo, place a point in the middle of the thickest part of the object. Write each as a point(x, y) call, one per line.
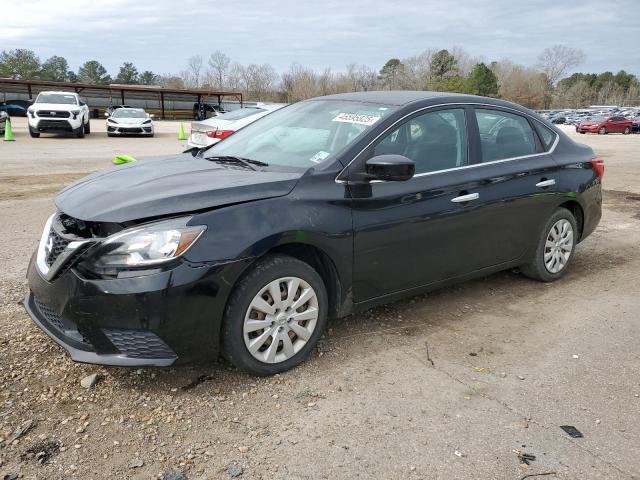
point(504, 135)
point(547, 136)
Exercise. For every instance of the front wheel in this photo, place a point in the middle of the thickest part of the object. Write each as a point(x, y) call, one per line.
point(627, 131)
point(555, 248)
point(87, 127)
point(34, 133)
point(275, 316)
point(602, 131)
point(80, 131)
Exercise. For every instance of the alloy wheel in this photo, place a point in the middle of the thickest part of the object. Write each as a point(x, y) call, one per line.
point(559, 246)
point(280, 319)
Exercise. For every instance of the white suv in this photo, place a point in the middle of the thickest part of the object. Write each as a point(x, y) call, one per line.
point(58, 112)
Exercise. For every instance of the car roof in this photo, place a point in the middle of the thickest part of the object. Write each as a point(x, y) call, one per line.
point(58, 92)
point(401, 97)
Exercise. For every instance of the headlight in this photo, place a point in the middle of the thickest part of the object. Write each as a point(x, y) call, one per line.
point(75, 113)
point(144, 246)
point(111, 120)
point(147, 121)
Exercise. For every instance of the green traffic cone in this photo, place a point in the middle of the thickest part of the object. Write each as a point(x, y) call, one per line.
point(120, 159)
point(181, 134)
point(8, 133)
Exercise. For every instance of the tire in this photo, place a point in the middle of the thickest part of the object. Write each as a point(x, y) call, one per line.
point(87, 127)
point(80, 131)
point(111, 135)
point(583, 133)
point(627, 131)
point(602, 131)
point(537, 268)
point(264, 273)
point(33, 133)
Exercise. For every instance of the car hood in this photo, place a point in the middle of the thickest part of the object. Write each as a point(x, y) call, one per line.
point(168, 186)
point(55, 106)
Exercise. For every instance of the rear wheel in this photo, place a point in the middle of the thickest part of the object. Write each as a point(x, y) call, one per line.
point(555, 248)
point(602, 131)
point(275, 316)
point(627, 131)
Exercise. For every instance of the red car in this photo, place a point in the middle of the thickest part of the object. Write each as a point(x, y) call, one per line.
point(604, 125)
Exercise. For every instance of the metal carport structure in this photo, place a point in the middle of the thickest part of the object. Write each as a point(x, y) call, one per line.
point(121, 92)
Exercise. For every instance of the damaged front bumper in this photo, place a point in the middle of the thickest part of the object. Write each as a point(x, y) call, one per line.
point(173, 316)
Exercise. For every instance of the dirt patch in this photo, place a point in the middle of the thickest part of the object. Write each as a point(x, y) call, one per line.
point(21, 187)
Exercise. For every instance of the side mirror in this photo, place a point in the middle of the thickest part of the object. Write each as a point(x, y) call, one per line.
point(390, 168)
point(106, 114)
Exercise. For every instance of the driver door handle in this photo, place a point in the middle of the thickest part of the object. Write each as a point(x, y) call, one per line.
point(466, 198)
point(546, 183)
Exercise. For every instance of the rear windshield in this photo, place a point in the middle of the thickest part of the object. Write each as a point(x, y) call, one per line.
point(240, 113)
point(56, 98)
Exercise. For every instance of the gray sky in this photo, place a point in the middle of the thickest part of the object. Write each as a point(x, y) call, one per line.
point(160, 35)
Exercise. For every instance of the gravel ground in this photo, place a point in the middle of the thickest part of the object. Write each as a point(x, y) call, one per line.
point(446, 385)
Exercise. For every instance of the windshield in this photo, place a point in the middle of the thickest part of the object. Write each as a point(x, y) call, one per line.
point(57, 98)
point(128, 113)
point(303, 134)
point(240, 113)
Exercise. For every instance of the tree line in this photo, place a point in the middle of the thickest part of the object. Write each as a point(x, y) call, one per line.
point(543, 85)
point(25, 64)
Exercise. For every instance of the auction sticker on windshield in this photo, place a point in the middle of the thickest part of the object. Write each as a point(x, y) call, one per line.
point(367, 120)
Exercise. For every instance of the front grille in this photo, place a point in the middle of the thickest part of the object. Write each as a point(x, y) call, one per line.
point(130, 130)
point(56, 245)
point(139, 343)
point(53, 114)
point(54, 125)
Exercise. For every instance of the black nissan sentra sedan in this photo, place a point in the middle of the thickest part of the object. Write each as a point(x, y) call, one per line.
point(320, 209)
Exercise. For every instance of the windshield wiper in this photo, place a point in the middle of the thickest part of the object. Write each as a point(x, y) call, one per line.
point(248, 162)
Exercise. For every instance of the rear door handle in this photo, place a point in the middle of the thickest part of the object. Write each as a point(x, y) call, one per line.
point(466, 198)
point(546, 183)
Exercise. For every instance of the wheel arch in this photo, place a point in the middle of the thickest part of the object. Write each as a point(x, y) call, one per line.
point(577, 211)
point(322, 263)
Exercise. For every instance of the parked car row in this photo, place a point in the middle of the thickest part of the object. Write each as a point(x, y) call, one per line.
point(55, 112)
point(595, 115)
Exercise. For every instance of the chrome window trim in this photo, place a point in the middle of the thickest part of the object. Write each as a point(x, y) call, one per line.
point(497, 107)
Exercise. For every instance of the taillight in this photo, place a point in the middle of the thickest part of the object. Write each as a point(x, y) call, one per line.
point(598, 167)
point(220, 134)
